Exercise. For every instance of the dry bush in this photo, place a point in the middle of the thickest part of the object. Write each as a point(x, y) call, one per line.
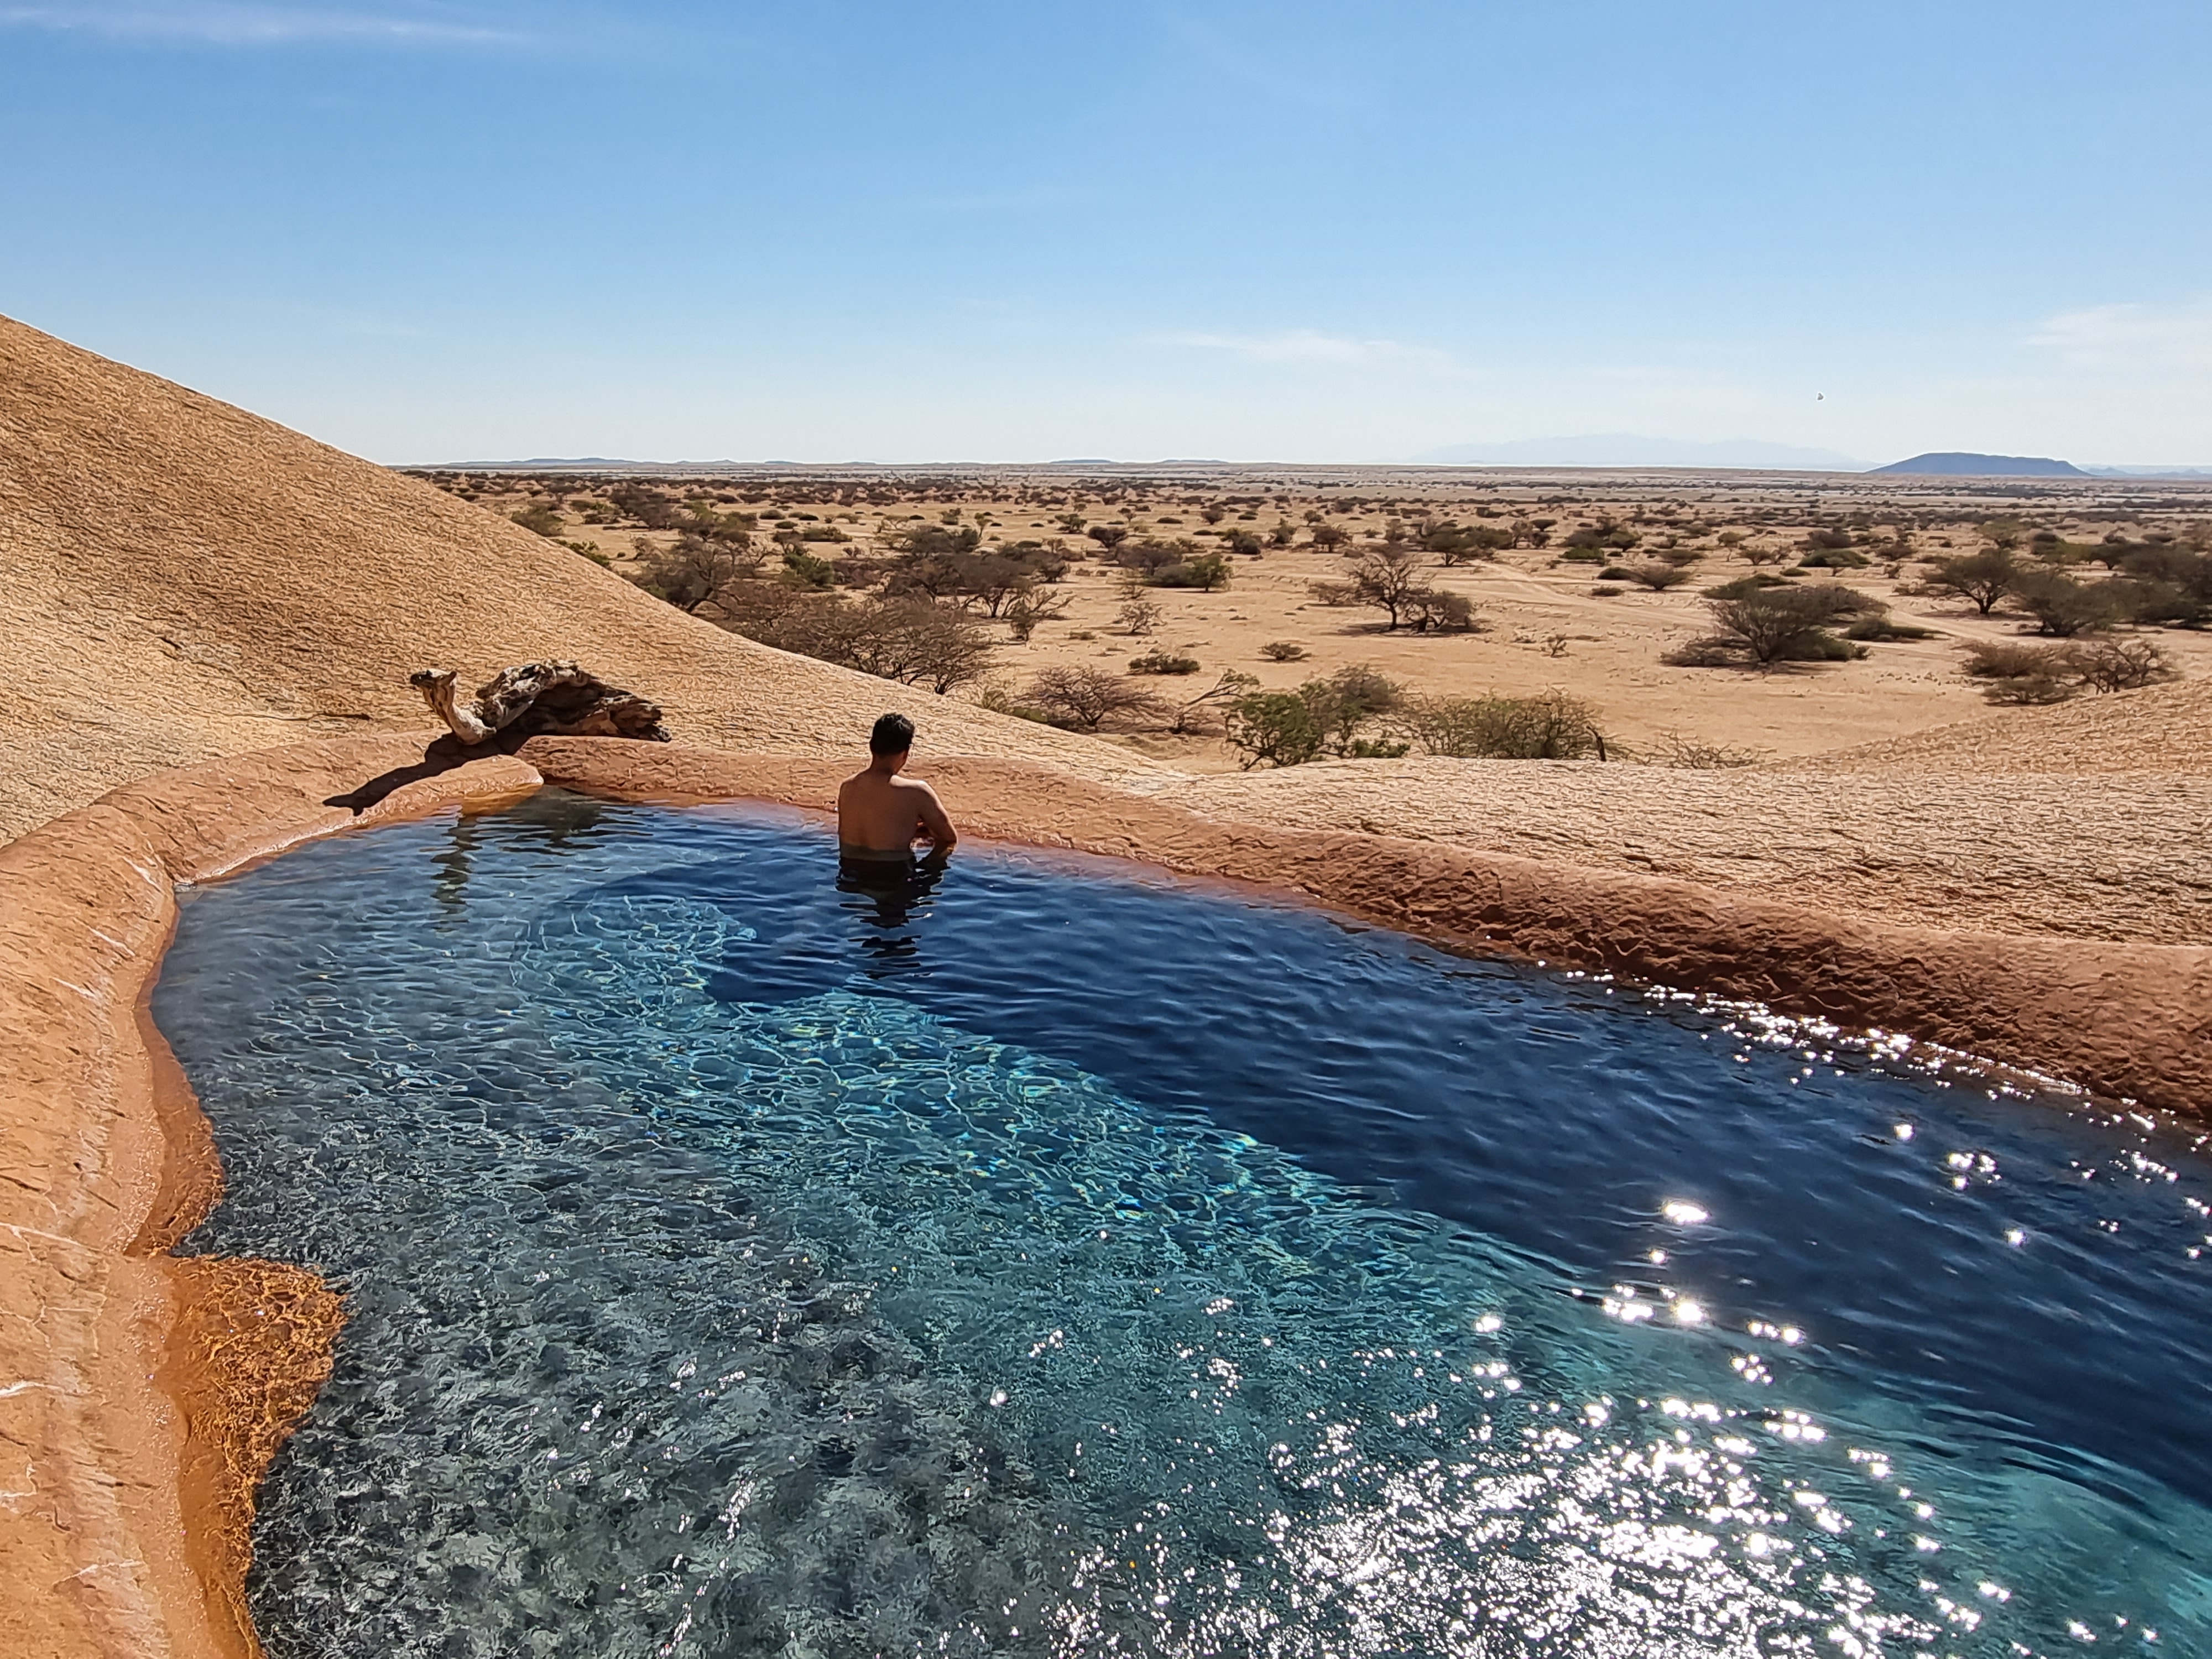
point(1029, 608)
point(1284, 651)
point(1138, 618)
point(1554, 725)
point(1089, 697)
point(2030, 688)
point(2123, 665)
point(2010, 659)
point(1657, 576)
point(1163, 662)
point(1673, 749)
point(1707, 651)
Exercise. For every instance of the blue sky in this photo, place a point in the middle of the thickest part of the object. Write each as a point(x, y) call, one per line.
point(431, 229)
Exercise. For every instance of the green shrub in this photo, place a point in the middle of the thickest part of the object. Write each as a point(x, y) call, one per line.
point(1981, 579)
point(1790, 625)
point(1205, 572)
point(807, 571)
point(1289, 728)
point(1274, 728)
point(2061, 605)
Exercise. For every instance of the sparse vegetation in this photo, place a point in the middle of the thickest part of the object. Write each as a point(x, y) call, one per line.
point(1553, 726)
point(540, 516)
point(1086, 698)
point(1981, 579)
point(1322, 716)
point(1692, 753)
point(1163, 662)
point(1778, 625)
point(1388, 578)
point(911, 640)
point(866, 570)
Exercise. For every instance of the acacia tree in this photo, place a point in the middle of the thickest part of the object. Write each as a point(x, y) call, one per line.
point(1982, 579)
point(1386, 578)
point(1784, 623)
point(695, 569)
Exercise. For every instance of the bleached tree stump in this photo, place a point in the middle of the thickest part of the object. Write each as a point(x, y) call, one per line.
point(539, 699)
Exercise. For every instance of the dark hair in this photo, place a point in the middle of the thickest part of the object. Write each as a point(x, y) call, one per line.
point(893, 735)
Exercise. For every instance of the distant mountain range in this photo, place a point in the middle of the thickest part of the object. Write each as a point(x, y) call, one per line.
point(1627, 449)
point(1596, 450)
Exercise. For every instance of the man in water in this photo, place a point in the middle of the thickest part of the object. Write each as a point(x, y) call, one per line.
point(880, 815)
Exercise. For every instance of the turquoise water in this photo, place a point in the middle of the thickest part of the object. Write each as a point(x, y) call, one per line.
point(1072, 1260)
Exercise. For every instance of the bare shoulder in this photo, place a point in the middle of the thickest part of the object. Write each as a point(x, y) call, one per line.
point(920, 785)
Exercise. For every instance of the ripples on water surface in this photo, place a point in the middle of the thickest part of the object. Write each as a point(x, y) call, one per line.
point(1082, 1261)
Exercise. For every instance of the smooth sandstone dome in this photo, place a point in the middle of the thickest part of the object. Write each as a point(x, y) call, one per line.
point(184, 581)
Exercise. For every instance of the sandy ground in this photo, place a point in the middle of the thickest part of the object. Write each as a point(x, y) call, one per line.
point(2004, 853)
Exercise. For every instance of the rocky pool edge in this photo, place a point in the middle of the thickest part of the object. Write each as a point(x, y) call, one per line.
point(143, 1394)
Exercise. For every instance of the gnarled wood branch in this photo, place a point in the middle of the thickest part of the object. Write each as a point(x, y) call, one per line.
point(539, 699)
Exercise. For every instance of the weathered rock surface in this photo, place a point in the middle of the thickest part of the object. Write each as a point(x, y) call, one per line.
point(141, 1394)
point(539, 699)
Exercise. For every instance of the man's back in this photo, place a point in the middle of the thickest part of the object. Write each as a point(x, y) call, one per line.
point(880, 813)
point(877, 813)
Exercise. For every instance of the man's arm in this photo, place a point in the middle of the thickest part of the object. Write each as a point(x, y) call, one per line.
point(943, 838)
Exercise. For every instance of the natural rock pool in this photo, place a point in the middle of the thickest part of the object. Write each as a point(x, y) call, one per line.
point(1074, 1260)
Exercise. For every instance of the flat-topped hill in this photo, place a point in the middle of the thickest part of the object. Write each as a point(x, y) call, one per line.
point(1961, 464)
point(180, 580)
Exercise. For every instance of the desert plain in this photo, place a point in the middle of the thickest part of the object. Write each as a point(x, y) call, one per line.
point(1895, 782)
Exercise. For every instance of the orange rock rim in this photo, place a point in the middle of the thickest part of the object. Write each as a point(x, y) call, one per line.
point(147, 1393)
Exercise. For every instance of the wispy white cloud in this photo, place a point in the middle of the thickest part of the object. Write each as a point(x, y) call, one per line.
point(1306, 345)
point(2132, 336)
point(220, 23)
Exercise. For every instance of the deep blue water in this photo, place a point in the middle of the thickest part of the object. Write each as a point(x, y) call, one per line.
point(1070, 1259)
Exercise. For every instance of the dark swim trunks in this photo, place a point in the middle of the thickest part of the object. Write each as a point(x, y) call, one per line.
point(869, 858)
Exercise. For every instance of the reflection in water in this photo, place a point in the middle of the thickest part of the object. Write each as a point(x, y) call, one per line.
point(885, 895)
point(553, 817)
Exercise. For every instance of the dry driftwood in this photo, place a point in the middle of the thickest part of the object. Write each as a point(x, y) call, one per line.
point(540, 699)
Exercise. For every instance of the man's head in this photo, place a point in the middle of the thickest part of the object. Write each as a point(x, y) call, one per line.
point(891, 739)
